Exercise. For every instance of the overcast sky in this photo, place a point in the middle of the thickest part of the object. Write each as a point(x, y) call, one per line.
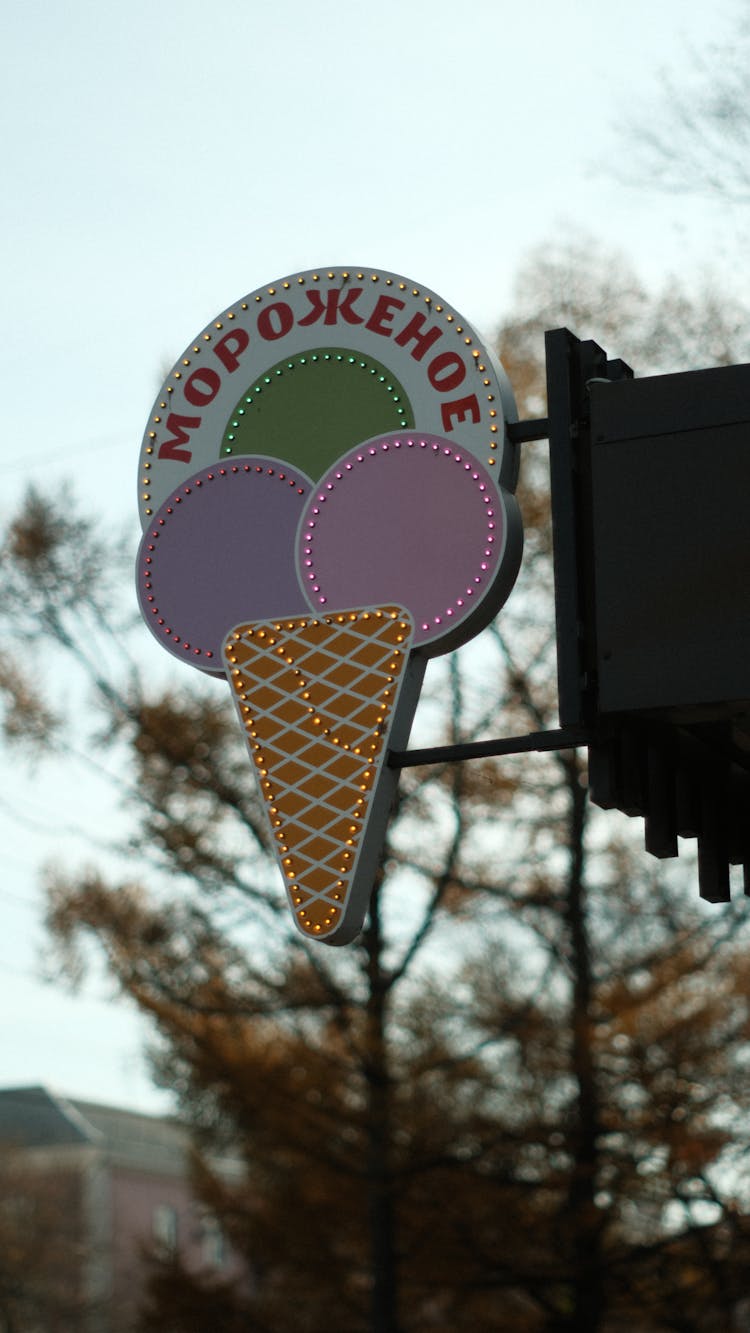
point(164, 157)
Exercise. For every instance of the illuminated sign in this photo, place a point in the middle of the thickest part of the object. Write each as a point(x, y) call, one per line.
point(325, 489)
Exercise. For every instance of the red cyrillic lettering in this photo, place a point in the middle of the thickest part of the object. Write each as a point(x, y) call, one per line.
point(385, 306)
point(446, 383)
point(230, 346)
point(200, 396)
point(332, 306)
point(423, 341)
point(275, 321)
point(459, 410)
point(180, 426)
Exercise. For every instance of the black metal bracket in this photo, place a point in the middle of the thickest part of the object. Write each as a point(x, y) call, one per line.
point(523, 432)
point(564, 738)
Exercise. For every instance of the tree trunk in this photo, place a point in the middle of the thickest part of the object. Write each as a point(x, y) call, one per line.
point(384, 1304)
point(582, 1215)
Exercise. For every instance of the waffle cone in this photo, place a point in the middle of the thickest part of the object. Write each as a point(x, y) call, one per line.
point(320, 699)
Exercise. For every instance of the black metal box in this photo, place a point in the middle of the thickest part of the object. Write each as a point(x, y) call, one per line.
point(670, 541)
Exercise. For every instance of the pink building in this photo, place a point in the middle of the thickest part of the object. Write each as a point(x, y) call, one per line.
point(86, 1191)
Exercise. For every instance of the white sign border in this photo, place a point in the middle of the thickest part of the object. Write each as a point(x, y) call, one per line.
point(455, 385)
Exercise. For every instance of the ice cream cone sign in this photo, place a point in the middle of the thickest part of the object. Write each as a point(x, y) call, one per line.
point(326, 494)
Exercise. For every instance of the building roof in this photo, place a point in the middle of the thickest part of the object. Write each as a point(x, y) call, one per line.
point(35, 1117)
point(134, 1139)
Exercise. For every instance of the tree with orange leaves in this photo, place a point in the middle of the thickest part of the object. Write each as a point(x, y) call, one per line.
point(516, 1101)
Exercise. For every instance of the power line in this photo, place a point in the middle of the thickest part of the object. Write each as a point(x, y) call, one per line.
point(28, 464)
point(7, 896)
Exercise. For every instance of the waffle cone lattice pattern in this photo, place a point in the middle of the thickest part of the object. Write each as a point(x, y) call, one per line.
point(316, 697)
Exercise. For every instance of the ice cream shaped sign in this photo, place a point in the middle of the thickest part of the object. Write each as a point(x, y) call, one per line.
point(326, 495)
